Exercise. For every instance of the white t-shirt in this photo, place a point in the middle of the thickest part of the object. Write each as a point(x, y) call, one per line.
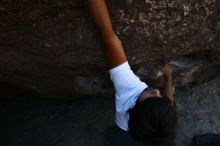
point(128, 87)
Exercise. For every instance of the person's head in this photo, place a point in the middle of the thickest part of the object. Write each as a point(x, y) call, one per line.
point(153, 119)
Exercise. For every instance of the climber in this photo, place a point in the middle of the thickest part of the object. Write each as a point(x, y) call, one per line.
point(147, 115)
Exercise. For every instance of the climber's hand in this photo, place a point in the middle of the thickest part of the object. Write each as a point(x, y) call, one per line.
point(165, 69)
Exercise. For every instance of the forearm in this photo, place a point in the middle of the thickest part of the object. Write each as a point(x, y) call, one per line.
point(100, 15)
point(168, 87)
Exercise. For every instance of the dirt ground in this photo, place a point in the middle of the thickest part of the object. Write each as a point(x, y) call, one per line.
point(44, 122)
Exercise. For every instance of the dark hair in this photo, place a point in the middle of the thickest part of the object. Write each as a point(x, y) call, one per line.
point(153, 121)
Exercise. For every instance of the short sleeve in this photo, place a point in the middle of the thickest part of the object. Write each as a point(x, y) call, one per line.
point(128, 87)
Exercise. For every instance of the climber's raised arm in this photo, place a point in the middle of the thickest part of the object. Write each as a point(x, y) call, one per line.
point(113, 50)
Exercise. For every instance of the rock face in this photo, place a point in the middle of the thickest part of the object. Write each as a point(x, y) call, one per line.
point(51, 49)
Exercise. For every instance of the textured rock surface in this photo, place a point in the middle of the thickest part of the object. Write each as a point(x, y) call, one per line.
point(50, 48)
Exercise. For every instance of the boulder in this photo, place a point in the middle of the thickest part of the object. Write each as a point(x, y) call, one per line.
point(51, 48)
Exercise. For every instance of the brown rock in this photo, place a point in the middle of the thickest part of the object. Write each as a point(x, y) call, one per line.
point(52, 49)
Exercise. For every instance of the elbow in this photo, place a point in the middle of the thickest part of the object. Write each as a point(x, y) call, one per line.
point(110, 38)
point(109, 35)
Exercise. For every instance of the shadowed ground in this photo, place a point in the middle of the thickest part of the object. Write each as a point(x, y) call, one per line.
point(38, 122)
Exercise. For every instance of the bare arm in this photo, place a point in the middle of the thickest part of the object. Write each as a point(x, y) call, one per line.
point(168, 87)
point(114, 51)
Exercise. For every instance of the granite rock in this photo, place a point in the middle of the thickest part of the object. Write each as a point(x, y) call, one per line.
point(51, 48)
